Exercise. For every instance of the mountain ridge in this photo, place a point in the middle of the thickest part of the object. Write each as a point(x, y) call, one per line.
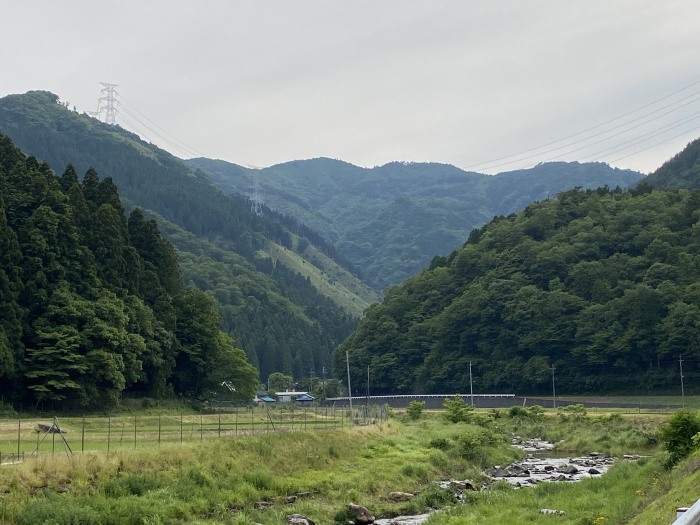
point(152, 179)
point(366, 212)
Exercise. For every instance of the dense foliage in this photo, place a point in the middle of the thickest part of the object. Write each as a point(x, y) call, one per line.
point(278, 317)
point(601, 286)
point(681, 171)
point(92, 303)
point(389, 221)
point(681, 434)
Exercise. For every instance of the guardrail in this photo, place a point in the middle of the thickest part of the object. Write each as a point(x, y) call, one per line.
point(690, 516)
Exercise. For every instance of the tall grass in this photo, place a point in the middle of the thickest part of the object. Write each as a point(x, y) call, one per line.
point(318, 473)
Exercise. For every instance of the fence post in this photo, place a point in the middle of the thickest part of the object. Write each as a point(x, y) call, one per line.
point(219, 424)
point(201, 430)
point(134, 430)
point(252, 419)
point(109, 430)
point(19, 434)
point(180, 427)
point(236, 421)
point(159, 428)
point(82, 436)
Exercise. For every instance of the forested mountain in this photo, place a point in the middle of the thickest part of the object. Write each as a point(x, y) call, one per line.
point(600, 287)
point(93, 304)
point(389, 221)
point(265, 272)
point(682, 171)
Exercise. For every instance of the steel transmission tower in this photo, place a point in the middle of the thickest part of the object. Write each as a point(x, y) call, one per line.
point(257, 201)
point(107, 103)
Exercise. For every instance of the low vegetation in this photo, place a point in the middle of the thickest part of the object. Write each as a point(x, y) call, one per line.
point(261, 479)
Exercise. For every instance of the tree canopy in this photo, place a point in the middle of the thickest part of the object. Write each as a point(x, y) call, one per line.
point(598, 287)
point(93, 303)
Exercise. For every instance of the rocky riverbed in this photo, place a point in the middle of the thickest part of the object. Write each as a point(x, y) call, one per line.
point(527, 472)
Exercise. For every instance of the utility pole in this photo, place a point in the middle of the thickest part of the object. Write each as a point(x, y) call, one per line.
point(108, 96)
point(367, 395)
point(471, 384)
point(680, 362)
point(554, 392)
point(347, 364)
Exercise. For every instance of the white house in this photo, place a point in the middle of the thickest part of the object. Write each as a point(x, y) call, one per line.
point(288, 397)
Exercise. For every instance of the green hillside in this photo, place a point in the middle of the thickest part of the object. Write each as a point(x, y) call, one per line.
point(280, 319)
point(682, 171)
point(391, 220)
point(598, 287)
point(92, 303)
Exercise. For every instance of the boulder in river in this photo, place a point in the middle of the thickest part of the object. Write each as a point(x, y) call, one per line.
point(299, 519)
point(362, 515)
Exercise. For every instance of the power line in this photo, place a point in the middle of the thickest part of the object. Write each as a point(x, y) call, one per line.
point(656, 144)
point(109, 102)
point(636, 140)
point(503, 161)
point(155, 133)
point(186, 146)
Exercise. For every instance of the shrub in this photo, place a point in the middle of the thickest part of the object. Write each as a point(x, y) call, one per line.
point(456, 410)
point(536, 411)
point(475, 444)
point(678, 432)
point(7, 410)
point(439, 443)
point(518, 412)
point(415, 410)
point(576, 412)
point(432, 497)
point(131, 484)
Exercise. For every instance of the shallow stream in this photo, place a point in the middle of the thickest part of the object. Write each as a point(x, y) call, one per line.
point(528, 472)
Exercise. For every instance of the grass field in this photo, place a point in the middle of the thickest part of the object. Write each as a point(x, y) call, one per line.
point(128, 431)
point(203, 479)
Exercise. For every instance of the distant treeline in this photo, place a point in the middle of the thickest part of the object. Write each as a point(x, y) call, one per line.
point(599, 288)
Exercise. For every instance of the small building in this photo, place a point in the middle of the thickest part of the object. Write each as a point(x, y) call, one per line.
point(300, 397)
point(262, 398)
point(305, 399)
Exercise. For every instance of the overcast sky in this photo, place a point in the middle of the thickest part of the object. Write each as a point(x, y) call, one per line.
point(485, 85)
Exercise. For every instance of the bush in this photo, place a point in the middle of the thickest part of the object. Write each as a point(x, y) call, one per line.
point(6, 410)
point(518, 412)
point(534, 413)
point(678, 432)
point(576, 412)
point(439, 443)
point(415, 410)
point(476, 443)
point(456, 411)
point(131, 484)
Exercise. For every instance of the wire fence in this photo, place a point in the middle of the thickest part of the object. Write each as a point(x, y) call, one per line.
point(24, 437)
